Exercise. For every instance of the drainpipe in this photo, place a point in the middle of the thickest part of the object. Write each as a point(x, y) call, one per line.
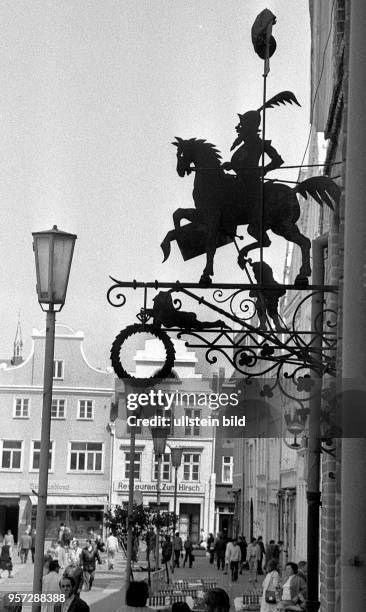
point(313, 493)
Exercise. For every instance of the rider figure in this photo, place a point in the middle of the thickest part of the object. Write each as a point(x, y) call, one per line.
point(245, 160)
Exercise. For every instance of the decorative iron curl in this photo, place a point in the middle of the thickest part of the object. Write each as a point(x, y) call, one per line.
point(244, 305)
point(116, 299)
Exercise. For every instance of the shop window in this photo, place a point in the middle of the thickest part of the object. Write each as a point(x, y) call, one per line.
point(165, 468)
point(21, 408)
point(86, 410)
point(136, 465)
point(86, 456)
point(35, 456)
point(191, 467)
point(227, 470)
point(11, 455)
point(194, 429)
point(58, 369)
point(58, 409)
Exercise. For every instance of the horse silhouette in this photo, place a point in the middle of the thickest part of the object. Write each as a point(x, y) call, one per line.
point(221, 206)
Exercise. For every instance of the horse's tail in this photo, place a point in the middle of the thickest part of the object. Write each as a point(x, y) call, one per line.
point(322, 188)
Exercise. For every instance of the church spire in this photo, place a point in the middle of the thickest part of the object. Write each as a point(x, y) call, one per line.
point(18, 345)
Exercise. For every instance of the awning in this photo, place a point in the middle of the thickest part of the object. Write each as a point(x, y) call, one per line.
point(63, 500)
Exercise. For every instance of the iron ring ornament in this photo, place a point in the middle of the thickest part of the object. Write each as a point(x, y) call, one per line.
point(164, 372)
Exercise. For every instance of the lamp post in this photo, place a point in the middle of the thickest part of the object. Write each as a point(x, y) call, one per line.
point(159, 436)
point(176, 458)
point(53, 250)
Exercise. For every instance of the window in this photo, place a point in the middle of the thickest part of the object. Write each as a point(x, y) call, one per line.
point(191, 466)
point(58, 409)
point(136, 465)
point(58, 369)
point(35, 456)
point(165, 468)
point(11, 458)
point(167, 413)
point(86, 410)
point(86, 457)
point(227, 470)
point(192, 430)
point(21, 408)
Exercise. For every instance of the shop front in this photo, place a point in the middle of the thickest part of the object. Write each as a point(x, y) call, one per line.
point(80, 514)
point(192, 499)
point(9, 515)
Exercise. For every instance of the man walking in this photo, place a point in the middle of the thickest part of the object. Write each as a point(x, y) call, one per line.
point(261, 550)
point(234, 558)
point(112, 548)
point(177, 547)
point(25, 545)
point(253, 557)
point(220, 547)
point(188, 547)
point(88, 557)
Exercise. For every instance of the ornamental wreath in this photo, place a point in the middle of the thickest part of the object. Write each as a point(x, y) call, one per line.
point(131, 330)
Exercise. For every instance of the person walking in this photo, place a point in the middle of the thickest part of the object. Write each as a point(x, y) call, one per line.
point(9, 540)
point(253, 557)
point(272, 552)
point(293, 590)
point(243, 548)
point(261, 554)
point(211, 547)
point(270, 586)
point(6, 561)
point(234, 559)
point(89, 556)
point(25, 545)
point(33, 545)
point(219, 549)
point(188, 547)
point(177, 548)
point(112, 549)
point(50, 585)
point(229, 546)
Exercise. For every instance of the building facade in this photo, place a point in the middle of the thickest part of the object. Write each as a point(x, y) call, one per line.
point(196, 475)
point(78, 481)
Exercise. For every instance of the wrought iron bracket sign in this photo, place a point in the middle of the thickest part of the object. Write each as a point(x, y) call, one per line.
point(247, 335)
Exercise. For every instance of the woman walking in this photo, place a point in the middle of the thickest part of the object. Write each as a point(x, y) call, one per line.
point(271, 585)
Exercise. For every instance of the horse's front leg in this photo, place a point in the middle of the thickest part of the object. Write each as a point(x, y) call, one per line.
point(190, 214)
point(212, 231)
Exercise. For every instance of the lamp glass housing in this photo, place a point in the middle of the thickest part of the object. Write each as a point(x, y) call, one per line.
point(159, 436)
point(53, 250)
point(176, 456)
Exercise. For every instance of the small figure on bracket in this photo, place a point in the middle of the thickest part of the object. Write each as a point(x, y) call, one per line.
point(164, 313)
point(267, 300)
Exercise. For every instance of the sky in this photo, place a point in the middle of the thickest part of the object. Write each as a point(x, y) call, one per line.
point(92, 94)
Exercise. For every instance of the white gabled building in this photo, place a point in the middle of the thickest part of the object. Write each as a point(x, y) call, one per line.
point(196, 475)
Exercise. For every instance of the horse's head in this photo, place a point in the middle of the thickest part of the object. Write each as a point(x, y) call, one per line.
point(198, 153)
point(184, 155)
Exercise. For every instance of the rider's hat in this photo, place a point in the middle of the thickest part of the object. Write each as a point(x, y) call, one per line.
point(250, 119)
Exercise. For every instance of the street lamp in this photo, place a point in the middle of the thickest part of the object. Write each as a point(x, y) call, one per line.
point(159, 436)
point(176, 459)
point(295, 424)
point(53, 250)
